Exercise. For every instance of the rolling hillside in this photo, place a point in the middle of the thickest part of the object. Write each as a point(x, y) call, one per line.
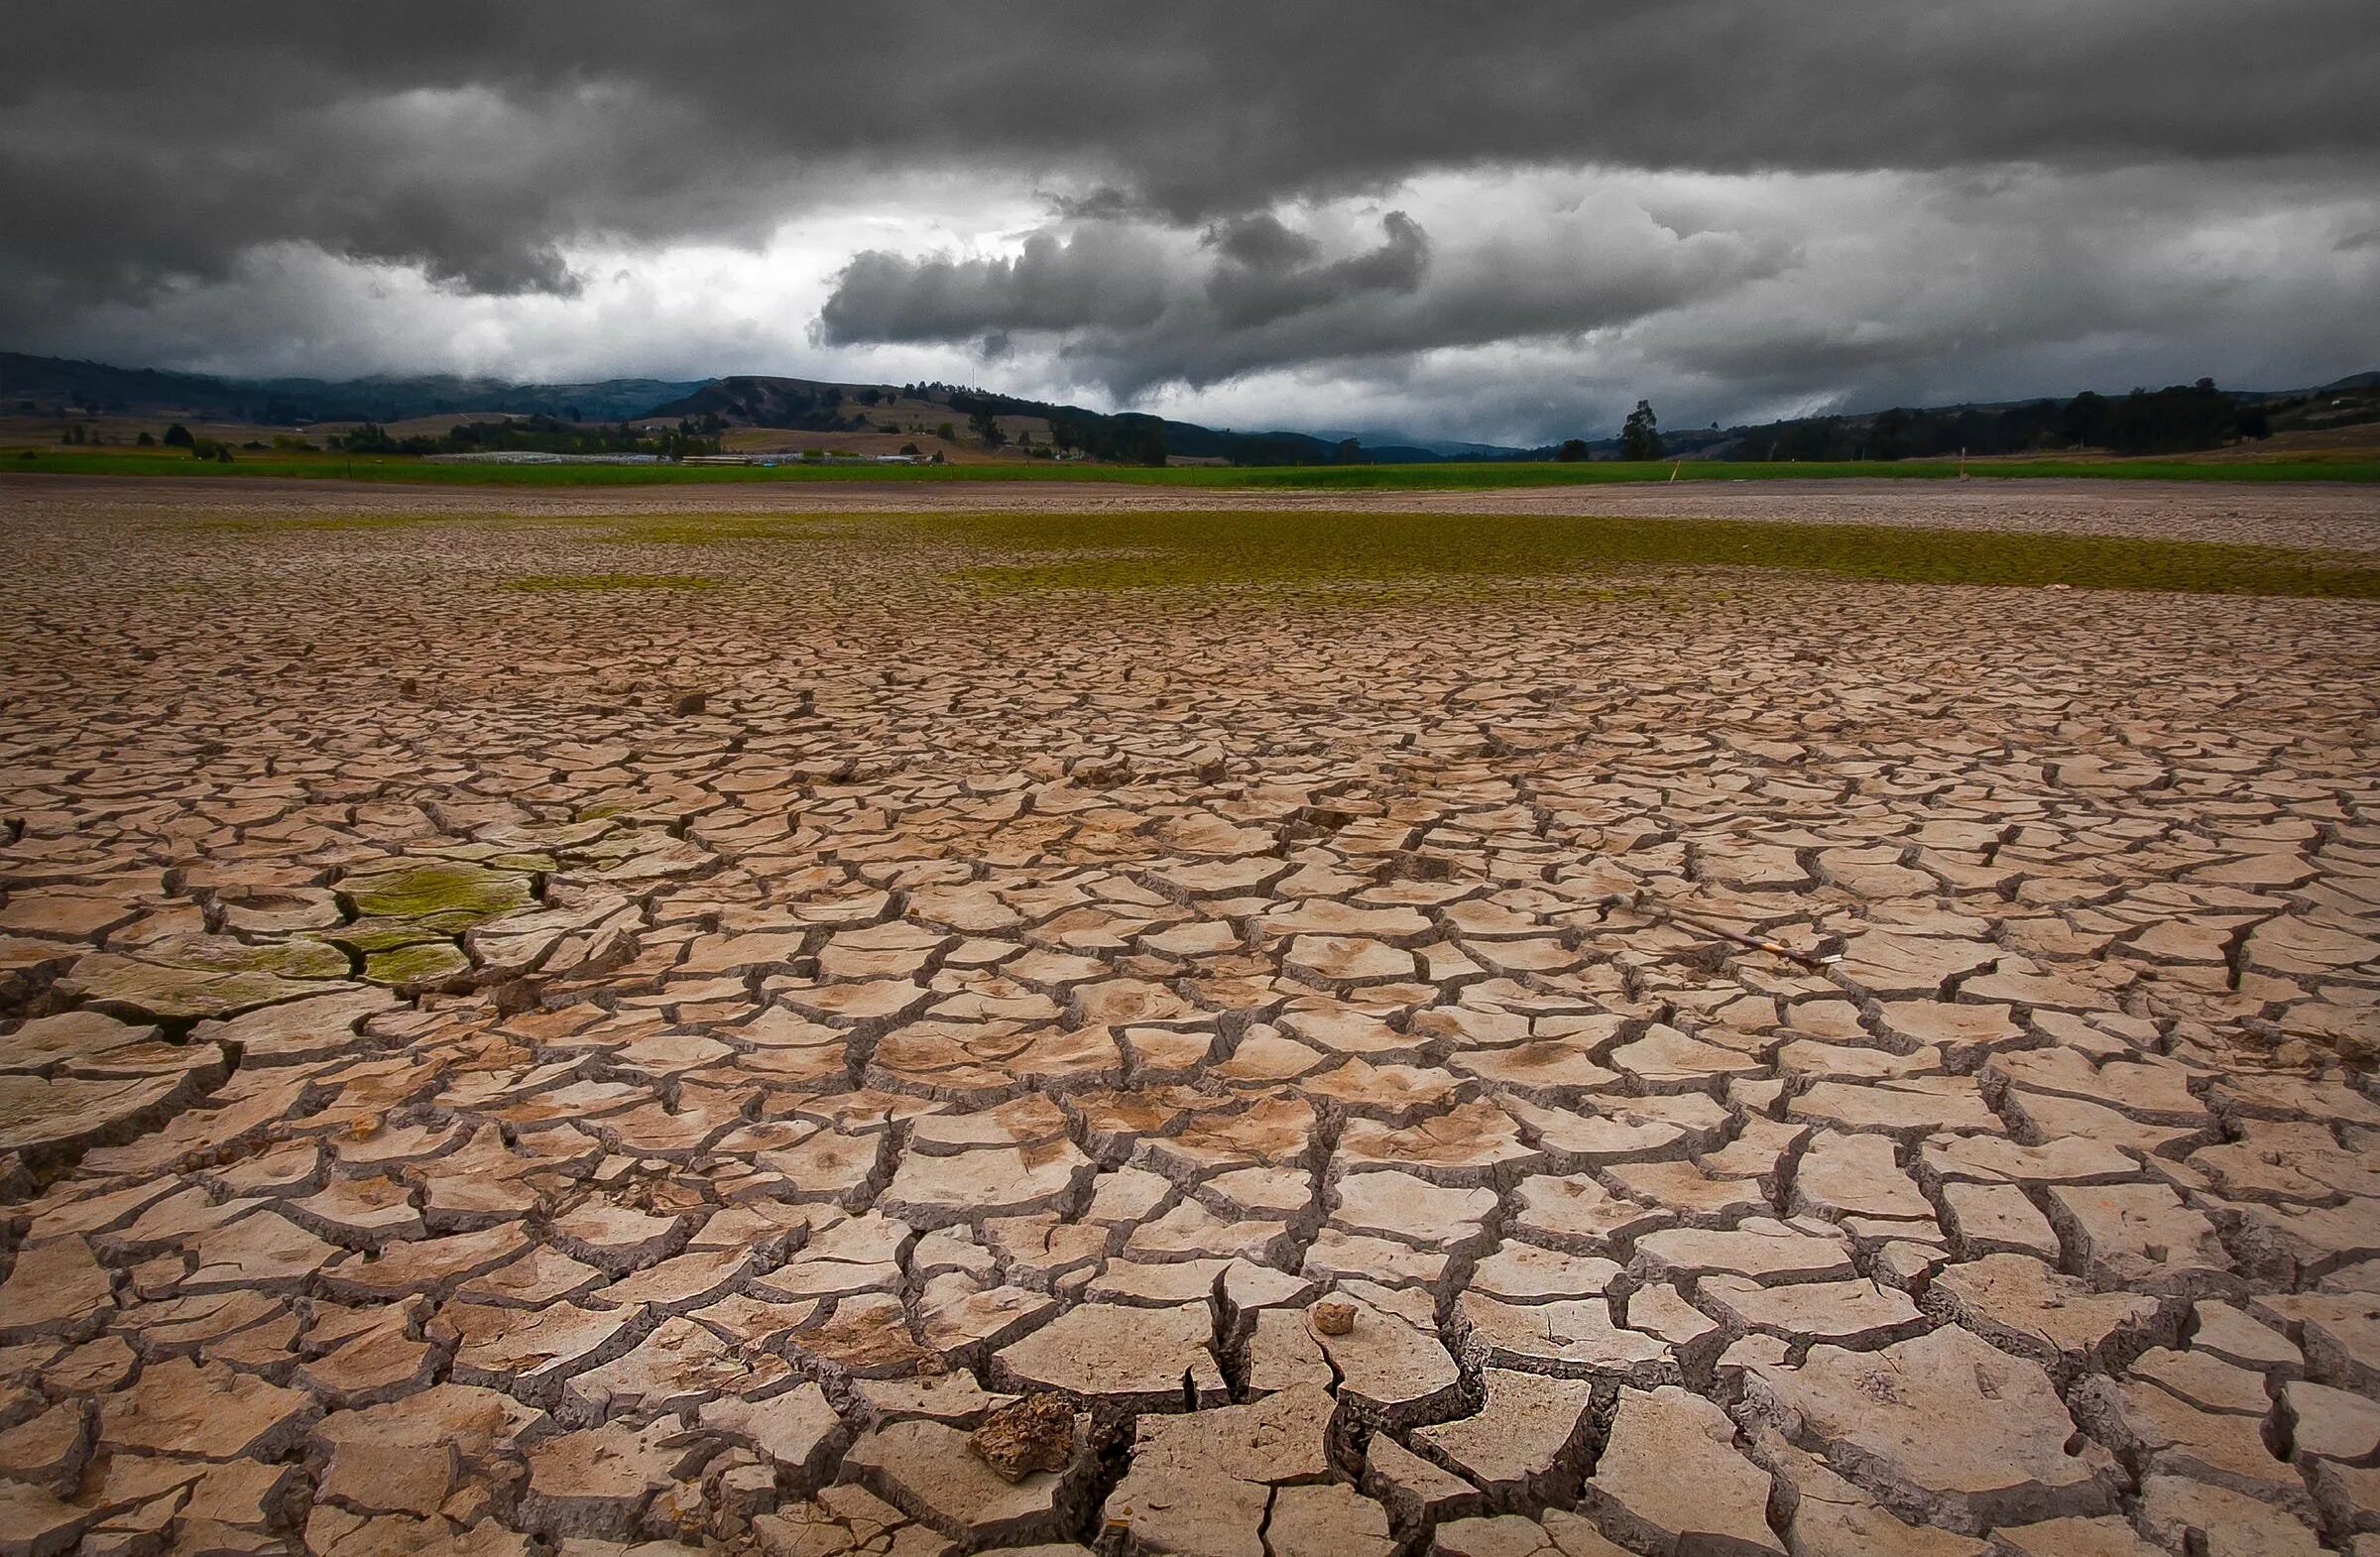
point(37, 385)
point(43, 398)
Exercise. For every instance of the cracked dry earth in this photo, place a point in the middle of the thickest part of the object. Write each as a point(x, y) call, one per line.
point(500, 1071)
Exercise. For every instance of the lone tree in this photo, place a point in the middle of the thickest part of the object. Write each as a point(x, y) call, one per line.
point(1640, 435)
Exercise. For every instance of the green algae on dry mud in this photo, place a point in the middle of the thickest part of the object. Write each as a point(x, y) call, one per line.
point(1150, 550)
point(437, 887)
point(365, 936)
point(421, 963)
point(190, 978)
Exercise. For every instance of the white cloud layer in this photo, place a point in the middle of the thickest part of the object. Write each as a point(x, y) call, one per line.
point(1504, 305)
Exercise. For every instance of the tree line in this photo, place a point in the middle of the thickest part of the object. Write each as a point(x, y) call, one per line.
point(1126, 439)
point(2178, 419)
point(532, 435)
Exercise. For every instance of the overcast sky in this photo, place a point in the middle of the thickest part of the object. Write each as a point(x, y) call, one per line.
point(1505, 221)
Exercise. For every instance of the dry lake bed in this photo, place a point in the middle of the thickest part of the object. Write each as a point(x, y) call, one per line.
point(815, 1021)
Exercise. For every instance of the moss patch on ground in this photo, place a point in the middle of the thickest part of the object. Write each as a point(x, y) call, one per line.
point(429, 962)
point(440, 888)
point(385, 934)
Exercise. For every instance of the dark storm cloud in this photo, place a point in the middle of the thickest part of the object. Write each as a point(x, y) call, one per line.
point(147, 140)
point(1226, 190)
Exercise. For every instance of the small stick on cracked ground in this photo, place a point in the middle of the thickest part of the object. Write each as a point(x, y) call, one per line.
point(1670, 914)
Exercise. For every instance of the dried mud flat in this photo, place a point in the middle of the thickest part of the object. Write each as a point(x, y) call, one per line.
point(503, 1069)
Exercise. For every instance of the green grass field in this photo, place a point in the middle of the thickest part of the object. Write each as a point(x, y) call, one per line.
point(1119, 551)
point(370, 467)
point(1160, 550)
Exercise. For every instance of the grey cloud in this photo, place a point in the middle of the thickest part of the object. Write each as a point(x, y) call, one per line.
point(1953, 287)
point(1769, 297)
point(1129, 299)
point(1260, 241)
point(1263, 295)
point(1246, 294)
point(1102, 276)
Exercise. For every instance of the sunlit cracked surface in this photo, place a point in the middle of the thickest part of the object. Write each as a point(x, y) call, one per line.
point(486, 1069)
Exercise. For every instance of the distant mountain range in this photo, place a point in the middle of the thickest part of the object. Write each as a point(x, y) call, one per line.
point(47, 385)
point(1444, 448)
point(58, 381)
